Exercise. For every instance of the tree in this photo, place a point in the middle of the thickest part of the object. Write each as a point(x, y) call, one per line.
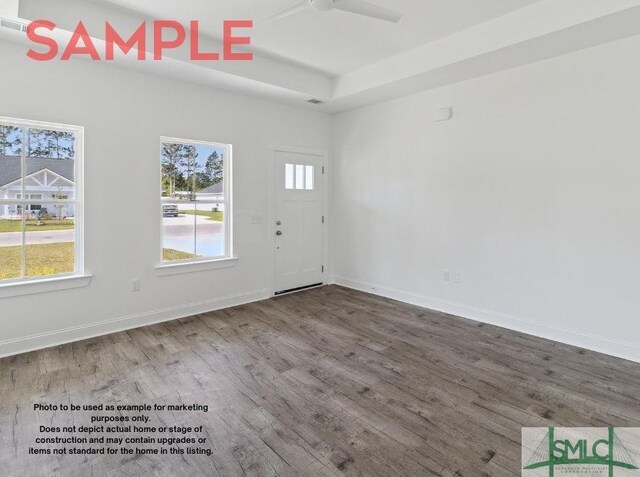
point(38, 142)
point(58, 144)
point(173, 159)
point(191, 163)
point(51, 144)
point(36, 146)
point(57, 205)
point(214, 167)
point(201, 180)
point(10, 140)
point(180, 182)
point(209, 167)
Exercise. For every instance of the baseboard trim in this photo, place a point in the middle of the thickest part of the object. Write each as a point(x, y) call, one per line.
point(114, 325)
point(591, 342)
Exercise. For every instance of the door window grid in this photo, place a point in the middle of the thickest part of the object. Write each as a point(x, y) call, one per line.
point(298, 177)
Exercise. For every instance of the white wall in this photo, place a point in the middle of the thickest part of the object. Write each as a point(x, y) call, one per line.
point(124, 114)
point(9, 8)
point(531, 192)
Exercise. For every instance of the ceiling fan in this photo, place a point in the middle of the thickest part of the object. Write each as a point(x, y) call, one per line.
point(359, 7)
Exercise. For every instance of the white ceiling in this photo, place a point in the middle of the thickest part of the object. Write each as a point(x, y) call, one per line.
point(345, 60)
point(333, 42)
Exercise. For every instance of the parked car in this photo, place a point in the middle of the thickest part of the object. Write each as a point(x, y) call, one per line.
point(170, 210)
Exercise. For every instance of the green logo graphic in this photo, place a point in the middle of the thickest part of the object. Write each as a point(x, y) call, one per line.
point(552, 453)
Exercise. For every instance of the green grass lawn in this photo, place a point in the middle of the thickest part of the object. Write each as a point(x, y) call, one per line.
point(53, 259)
point(216, 216)
point(41, 260)
point(16, 225)
point(169, 255)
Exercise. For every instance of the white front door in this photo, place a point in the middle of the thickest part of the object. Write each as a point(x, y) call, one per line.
point(298, 221)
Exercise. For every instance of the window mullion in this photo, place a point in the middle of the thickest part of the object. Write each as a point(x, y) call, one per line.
point(23, 169)
point(23, 261)
point(195, 230)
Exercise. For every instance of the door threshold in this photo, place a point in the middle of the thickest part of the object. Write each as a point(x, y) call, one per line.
point(293, 290)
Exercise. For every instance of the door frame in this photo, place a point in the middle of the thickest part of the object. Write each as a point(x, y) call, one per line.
point(271, 229)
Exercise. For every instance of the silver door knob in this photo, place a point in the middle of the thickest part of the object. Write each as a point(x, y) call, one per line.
point(279, 232)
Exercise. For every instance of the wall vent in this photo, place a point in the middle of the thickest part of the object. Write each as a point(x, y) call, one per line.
point(315, 101)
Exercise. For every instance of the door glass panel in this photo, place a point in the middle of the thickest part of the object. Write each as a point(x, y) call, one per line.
point(288, 177)
point(309, 178)
point(299, 176)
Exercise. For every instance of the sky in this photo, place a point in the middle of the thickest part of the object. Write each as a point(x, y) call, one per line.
point(17, 135)
point(205, 151)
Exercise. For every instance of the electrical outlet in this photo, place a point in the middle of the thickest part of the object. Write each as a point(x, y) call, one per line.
point(135, 285)
point(445, 275)
point(457, 278)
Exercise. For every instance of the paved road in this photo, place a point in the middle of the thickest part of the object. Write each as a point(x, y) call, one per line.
point(177, 233)
point(10, 239)
point(186, 223)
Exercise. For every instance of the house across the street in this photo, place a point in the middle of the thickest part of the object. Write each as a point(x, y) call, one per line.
point(209, 194)
point(46, 183)
point(213, 192)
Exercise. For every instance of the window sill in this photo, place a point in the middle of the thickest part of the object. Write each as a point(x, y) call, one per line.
point(198, 266)
point(43, 285)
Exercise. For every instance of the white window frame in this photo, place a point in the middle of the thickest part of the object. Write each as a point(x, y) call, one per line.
point(193, 264)
point(78, 202)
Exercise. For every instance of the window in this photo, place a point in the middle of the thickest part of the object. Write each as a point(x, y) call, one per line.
point(30, 207)
point(298, 177)
point(196, 208)
point(40, 206)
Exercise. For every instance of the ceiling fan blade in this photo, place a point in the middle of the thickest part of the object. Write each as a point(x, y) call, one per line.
point(286, 12)
point(368, 9)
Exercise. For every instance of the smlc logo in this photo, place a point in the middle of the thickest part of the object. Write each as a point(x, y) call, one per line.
point(580, 451)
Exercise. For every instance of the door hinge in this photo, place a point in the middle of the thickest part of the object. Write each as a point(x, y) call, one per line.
point(322, 268)
point(323, 219)
point(323, 169)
